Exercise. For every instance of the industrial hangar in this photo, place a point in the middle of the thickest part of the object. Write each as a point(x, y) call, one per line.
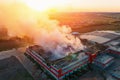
point(102, 52)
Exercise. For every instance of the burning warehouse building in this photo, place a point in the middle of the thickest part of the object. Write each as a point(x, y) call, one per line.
point(68, 60)
point(59, 68)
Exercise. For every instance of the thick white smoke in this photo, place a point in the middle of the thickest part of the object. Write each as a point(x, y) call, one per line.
point(20, 21)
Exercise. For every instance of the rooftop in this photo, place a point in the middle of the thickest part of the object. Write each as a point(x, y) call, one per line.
point(100, 36)
point(115, 45)
point(94, 38)
point(105, 34)
point(68, 60)
point(114, 69)
point(104, 58)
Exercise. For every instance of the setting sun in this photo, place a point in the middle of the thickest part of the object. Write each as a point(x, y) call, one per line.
point(43, 5)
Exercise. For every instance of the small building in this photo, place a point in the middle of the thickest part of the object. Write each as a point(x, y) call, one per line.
point(106, 38)
point(101, 37)
point(114, 47)
point(103, 61)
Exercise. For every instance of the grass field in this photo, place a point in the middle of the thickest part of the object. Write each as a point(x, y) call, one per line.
point(85, 22)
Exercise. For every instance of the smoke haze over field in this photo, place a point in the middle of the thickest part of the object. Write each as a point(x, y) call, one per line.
point(23, 21)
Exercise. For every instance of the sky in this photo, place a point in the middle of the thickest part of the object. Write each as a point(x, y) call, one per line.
point(76, 5)
point(97, 5)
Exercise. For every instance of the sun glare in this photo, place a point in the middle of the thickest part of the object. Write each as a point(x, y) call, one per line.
point(44, 5)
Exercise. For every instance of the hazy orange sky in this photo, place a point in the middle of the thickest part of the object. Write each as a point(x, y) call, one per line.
point(77, 5)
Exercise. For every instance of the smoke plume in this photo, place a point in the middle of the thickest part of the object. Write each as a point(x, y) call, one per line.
point(21, 20)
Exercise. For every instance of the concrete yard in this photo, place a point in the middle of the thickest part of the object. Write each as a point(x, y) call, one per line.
point(94, 75)
point(12, 69)
point(23, 61)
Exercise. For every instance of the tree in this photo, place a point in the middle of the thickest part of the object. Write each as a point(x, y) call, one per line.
point(3, 32)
